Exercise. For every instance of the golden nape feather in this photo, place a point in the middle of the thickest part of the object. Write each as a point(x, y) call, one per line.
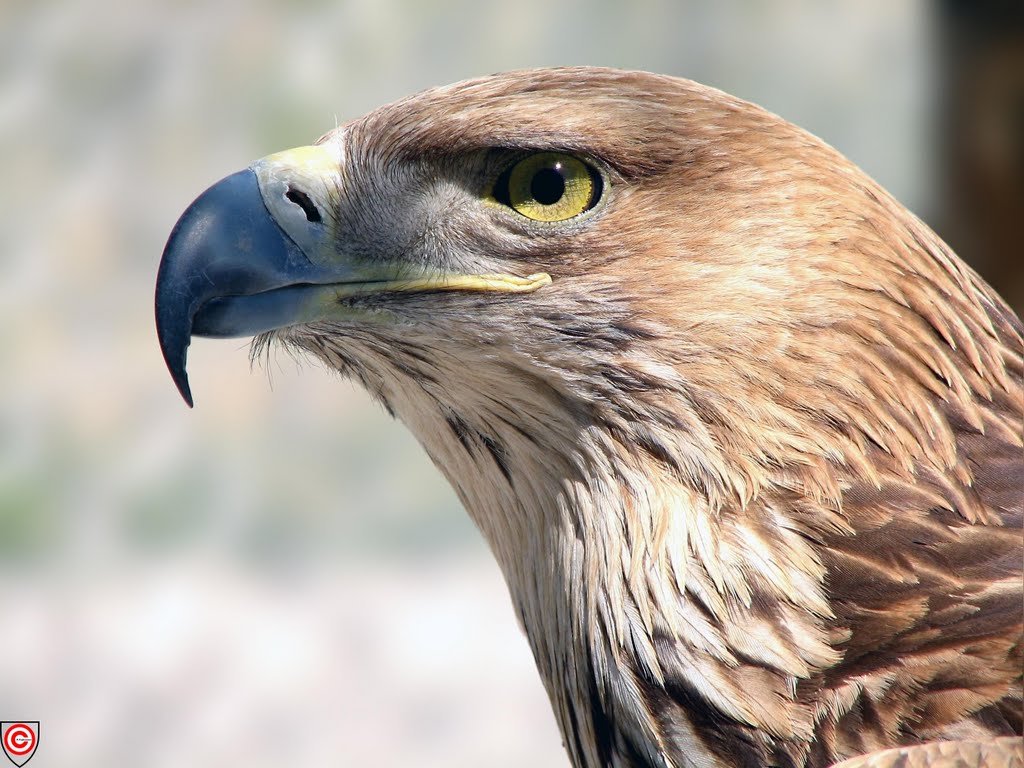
point(744, 435)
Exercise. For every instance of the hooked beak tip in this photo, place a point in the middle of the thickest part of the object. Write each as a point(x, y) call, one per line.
point(182, 383)
point(175, 351)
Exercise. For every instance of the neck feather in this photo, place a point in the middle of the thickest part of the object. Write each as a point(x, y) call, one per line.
point(633, 565)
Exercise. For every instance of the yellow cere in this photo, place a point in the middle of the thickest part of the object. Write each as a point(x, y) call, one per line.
point(550, 186)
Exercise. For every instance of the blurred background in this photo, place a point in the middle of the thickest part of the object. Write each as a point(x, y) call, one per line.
point(280, 576)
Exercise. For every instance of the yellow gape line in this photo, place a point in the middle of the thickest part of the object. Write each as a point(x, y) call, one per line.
point(492, 283)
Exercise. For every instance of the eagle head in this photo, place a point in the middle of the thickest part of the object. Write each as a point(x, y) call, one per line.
point(743, 434)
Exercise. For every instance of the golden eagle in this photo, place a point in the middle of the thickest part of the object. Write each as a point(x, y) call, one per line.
point(744, 435)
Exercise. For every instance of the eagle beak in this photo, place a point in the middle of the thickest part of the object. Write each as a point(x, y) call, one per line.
point(227, 248)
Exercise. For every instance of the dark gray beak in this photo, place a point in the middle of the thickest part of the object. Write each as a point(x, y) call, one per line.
point(226, 272)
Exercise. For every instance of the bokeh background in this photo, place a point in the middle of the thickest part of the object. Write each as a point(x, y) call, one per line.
point(279, 577)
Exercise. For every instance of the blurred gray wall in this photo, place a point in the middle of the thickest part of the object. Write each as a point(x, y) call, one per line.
point(280, 576)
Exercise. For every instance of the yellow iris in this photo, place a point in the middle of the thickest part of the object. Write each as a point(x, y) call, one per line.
point(550, 186)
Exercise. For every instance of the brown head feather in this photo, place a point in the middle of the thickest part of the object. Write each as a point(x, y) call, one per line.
point(752, 463)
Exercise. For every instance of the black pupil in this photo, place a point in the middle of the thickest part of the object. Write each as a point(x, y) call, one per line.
point(547, 186)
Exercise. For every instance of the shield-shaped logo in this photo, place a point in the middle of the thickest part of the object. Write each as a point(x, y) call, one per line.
point(19, 739)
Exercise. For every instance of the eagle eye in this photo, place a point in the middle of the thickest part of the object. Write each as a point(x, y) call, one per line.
point(549, 186)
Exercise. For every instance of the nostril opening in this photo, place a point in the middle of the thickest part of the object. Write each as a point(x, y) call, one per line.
point(302, 200)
